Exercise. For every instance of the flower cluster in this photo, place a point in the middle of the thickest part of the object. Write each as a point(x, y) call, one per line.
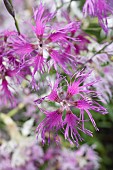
point(84, 158)
point(20, 157)
point(78, 95)
point(53, 45)
point(100, 9)
point(21, 152)
point(54, 40)
point(32, 157)
point(56, 46)
point(10, 73)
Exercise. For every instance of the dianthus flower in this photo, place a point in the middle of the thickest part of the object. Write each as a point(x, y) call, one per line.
point(77, 96)
point(84, 158)
point(83, 40)
point(52, 45)
point(100, 9)
point(10, 73)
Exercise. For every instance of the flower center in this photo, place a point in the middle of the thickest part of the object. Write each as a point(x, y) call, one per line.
point(65, 104)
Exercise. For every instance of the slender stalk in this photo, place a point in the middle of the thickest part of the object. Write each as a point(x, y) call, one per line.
point(65, 3)
point(11, 126)
point(17, 26)
point(98, 52)
point(15, 110)
point(10, 2)
point(10, 9)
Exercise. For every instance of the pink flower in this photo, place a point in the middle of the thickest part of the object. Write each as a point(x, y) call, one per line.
point(10, 72)
point(53, 96)
point(6, 93)
point(55, 40)
point(61, 34)
point(100, 9)
point(61, 59)
point(72, 123)
point(82, 44)
point(78, 95)
point(21, 46)
point(52, 122)
point(41, 17)
point(85, 106)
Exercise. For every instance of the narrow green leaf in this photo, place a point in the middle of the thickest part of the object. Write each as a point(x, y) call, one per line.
point(9, 7)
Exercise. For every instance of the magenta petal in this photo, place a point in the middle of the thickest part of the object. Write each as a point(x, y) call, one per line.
point(100, 9)
point(71, 132)
point(21, 46)
point(41, 17)
point(73, 89)
point(53, 96)
point(85, 106)
point(52, 123)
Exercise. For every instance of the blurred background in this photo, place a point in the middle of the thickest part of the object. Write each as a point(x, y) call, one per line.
point(19, 147)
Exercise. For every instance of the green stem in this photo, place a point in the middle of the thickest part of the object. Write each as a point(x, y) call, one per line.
point(57, 8)
point(9, 6)
point(17, 27)
point(98, 52)
point(10, 2)
point(15, 111)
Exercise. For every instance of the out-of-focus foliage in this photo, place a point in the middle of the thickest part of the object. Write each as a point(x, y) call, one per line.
point(19, 148)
